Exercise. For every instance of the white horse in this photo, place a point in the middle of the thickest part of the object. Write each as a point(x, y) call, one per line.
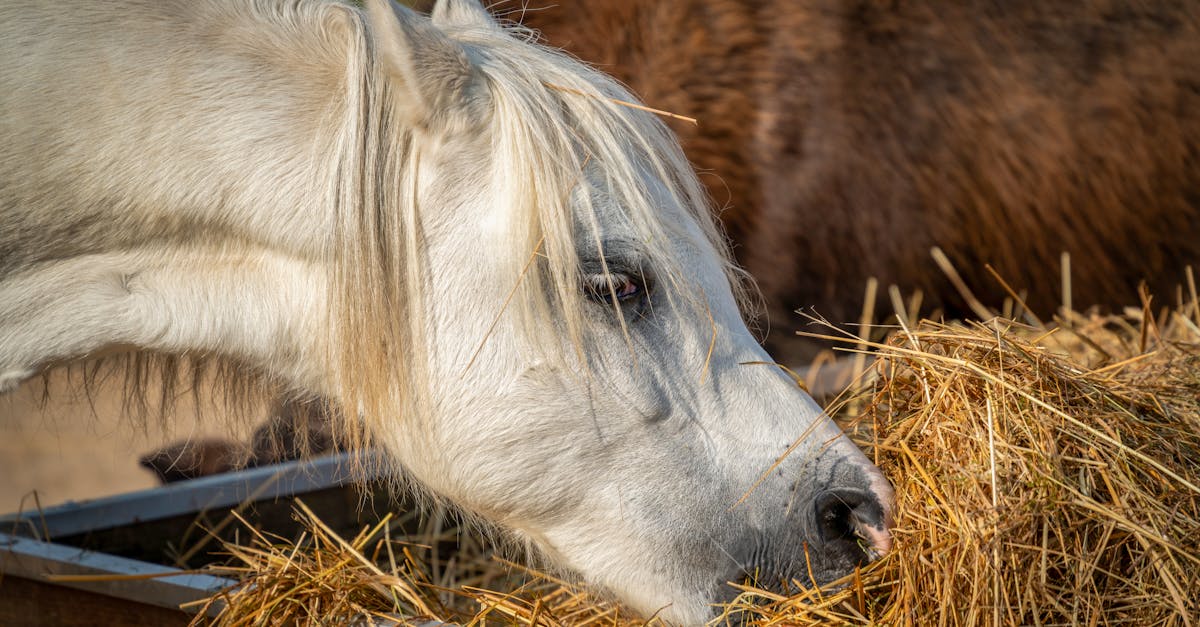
point(515, 279)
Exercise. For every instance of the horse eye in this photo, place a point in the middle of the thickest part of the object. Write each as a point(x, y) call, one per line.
point(601, 288)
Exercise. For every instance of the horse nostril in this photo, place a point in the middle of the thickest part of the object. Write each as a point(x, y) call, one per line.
point(849, 515)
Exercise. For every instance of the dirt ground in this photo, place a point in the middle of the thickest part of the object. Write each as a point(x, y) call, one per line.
point(73, 449)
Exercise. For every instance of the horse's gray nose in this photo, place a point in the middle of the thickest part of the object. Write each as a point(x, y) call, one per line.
point(856, 521)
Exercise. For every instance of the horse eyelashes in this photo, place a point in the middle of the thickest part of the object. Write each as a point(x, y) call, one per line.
point(629, 290)
point(603, 288)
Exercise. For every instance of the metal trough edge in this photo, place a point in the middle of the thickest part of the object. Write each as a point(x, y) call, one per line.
point(174, 499)
point(40, 561)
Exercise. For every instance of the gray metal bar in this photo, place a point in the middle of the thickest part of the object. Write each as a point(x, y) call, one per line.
point(186, 497)
point(37, 560)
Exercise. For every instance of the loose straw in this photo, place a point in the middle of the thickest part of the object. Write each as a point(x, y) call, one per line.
point(625, 103)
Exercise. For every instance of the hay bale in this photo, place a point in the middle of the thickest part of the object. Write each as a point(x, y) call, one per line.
point(1043, 476)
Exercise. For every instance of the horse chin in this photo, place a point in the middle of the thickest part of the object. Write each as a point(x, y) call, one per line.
point(798, 575)
point(766, 567)
point(798, 566)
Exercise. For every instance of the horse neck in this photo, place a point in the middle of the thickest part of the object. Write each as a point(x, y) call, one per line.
point(261, 113)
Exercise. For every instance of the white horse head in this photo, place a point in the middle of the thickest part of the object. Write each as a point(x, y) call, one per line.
point(513, 277)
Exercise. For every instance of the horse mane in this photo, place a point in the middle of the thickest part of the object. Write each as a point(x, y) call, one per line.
point(552, 116)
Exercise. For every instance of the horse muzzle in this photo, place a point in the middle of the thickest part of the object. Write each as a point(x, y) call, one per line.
point(834, 530)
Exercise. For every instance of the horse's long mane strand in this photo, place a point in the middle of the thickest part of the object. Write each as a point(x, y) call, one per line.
point(376, 348)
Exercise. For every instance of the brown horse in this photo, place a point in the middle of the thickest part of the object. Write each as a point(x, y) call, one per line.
point(848, 138)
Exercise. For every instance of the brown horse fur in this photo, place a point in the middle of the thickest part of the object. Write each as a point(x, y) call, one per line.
point(298, 428)
point(847, 138)
point(189, 459)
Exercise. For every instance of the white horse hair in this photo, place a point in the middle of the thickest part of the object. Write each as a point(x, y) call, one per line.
point(514, 279)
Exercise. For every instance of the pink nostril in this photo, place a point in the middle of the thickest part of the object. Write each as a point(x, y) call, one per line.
point(879, 538)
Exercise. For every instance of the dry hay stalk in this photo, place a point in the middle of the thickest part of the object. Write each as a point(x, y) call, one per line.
point(1043, 478)
point(316, 578)
point(373, 579)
